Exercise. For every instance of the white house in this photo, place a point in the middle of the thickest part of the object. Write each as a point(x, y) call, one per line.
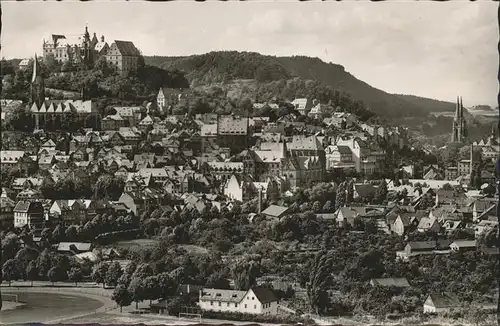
point(28, 213)
point(439, 303)
point(302, 105)
point(239, 187)
point(257, 300)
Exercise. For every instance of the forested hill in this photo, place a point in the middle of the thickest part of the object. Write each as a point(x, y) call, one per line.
point(228, 66)
point(430, 104)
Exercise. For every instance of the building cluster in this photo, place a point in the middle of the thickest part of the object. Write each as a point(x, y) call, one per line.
point(213, 162)
point(123, 56)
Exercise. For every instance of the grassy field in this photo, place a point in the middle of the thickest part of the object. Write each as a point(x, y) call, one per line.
point(134, 244)
point(44, 307)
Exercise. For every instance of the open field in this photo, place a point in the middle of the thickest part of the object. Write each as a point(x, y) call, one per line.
point(133, 244)
point(128, 319)
point(45, 307)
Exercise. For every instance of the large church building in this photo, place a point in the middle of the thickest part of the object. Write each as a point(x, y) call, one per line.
point(459, 131)
point(51, 113)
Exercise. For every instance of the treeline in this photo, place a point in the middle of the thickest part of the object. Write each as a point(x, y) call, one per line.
point(98, 81)
point(217, 67)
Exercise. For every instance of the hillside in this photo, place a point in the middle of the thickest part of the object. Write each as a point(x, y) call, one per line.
point(427, 103)
point(223, 68)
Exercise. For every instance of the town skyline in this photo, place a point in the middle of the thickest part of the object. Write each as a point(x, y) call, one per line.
point(413, 49)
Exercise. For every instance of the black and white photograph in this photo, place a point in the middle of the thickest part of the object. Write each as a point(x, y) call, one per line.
point(264, 163)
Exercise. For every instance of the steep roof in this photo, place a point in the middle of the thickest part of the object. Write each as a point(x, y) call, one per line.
point(127, 48)
point(264, 295)
point(22, 206)
point(444, 300)
point(275, 210)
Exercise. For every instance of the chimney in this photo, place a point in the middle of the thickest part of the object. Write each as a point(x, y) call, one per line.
point(259, 202)
point(102, 38)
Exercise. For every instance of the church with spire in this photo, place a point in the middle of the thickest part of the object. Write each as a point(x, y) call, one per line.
point(49, 113)
point(459, 132)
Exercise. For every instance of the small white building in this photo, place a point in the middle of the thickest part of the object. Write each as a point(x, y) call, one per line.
point(440, 303)
point(257, 300)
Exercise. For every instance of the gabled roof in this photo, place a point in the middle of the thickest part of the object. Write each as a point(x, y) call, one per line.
point(275, 210)
point(126, 48)
point(465, 243)
point(444, 300)
point(49, 143)
point(264, 295)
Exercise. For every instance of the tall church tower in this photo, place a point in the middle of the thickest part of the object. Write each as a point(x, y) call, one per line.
point(459, 130)
point(37, 85)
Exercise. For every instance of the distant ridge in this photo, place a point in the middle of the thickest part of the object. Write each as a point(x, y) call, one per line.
point(227, 66)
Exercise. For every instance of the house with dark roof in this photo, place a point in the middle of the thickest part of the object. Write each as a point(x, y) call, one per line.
point(415, 248)
point(257, 300)
point(463, 245)
point(441, 303)
point(275, 211)
point(123, 56)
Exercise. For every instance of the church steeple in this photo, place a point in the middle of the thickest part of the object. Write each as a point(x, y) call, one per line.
point(37, 84)
point(459, 130)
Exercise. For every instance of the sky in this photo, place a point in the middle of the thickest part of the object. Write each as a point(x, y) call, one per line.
point(433, 49)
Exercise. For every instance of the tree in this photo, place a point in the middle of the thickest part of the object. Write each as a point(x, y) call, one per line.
point(136, 290)
point(167, 285)
point(53, 275)
point(319, 281)
point(122, 296)
point(381, 192)
point(316, 207)
point(151, 288)
point(99, 273)
point(21, 120)
point(10, 245)
point(113, 274)
point(31, 271)
point(447, 187)
point(245, 274)
point(59, 233)
point(328, 207)
point(350, 192)
point(10, 270)
point(340, 199)
point(75, 274)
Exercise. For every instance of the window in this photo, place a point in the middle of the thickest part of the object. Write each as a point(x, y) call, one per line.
point(220, 304)
point(235, 305)
point(255, 306)
point(211, 303)
point(253, 298)
point(245, 305)
point(228, 304)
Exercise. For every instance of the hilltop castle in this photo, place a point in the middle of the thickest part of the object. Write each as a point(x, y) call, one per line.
point(459, 131)
point(123, 56)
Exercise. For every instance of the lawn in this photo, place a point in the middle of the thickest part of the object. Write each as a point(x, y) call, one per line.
point(45, 307)
point(134, 244)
